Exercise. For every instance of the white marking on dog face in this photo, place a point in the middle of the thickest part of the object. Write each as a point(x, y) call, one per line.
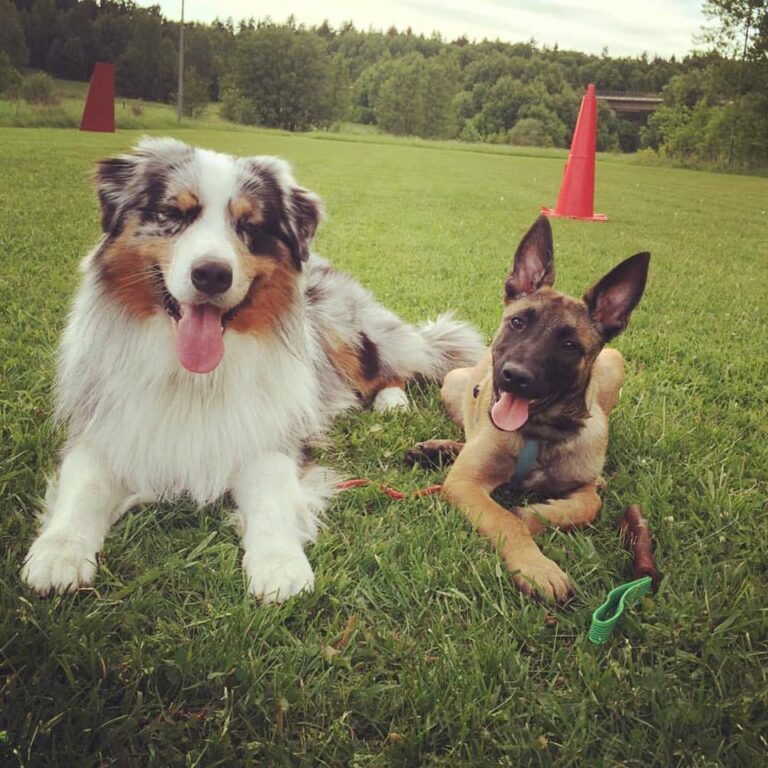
point(211, 236)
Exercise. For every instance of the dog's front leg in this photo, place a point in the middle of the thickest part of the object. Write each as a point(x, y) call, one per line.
point(576, 510)
point(82, 503)
point(477, 471)
point(276, 520)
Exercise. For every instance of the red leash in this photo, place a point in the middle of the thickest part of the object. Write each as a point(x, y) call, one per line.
point(391, 492)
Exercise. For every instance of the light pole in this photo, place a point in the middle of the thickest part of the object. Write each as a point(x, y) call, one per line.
point(180, 106)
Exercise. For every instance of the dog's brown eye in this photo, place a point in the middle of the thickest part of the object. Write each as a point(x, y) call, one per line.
point(517, 323)
point(568, 344)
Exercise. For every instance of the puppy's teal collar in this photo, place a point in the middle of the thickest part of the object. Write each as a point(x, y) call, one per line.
point(526, 461)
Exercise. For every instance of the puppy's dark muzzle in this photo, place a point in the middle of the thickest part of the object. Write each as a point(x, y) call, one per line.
point(514, 378)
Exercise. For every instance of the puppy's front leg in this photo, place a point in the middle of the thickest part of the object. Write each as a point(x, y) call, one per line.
point(576, 510)
point(276, 520)
point(82, 503)
point(477, 471)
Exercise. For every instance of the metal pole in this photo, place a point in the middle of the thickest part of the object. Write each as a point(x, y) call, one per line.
point(180, 106)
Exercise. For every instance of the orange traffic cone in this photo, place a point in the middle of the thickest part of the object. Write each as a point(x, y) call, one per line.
point(577, 192)
point(99, 112)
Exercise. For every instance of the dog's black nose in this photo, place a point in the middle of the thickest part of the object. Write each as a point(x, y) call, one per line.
point(211, 277)
point(516, 376)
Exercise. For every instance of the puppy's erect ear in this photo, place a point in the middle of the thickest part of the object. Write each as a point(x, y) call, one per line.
point(112, 177)
point(534, 265)
point(613, 298)
point(305, 212)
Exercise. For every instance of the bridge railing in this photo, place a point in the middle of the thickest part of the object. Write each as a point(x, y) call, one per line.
point(628, 95)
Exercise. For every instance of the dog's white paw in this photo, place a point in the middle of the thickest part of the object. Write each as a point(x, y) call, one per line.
point(277, 573)
point(390, 399)
point(58, 563)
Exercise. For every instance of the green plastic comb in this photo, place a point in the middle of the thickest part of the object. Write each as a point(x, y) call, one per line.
point(604, 619)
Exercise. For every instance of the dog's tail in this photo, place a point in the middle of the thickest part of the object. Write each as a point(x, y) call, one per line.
point(437, 347)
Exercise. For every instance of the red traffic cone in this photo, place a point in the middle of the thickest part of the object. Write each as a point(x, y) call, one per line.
point(577, 192)
point(99, 112)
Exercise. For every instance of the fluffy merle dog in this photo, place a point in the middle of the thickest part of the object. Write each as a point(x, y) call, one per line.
point(206, 346)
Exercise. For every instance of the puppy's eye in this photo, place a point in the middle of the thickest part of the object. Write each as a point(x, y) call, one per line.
point(517, 323)
point(568, 344)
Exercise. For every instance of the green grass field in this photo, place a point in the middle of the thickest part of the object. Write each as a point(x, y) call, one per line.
point(415, 649)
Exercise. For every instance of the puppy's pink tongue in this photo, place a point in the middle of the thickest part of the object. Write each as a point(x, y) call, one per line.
point(509, 412)
point(199, 337)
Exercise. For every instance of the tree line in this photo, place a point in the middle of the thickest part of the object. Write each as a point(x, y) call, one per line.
point(290, 76)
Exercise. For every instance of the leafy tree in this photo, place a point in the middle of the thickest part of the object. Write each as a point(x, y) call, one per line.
point(37, 88)
point(12, 41)
point(147, 68)
point(441, 80)
point(548, 122)
point(529, 132)
point(742, 27)
point(282, 77)
point(628, 135)
point(200, 58)
point(42, 25)
point(196, 93)
point(416, 96)
point(365, 92)
point(10, 78)
point(400, 107)
point(718, 114)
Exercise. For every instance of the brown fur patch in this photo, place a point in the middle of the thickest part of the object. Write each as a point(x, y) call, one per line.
point(243, 208)
point(126, 269)
point(271, 295)
point(350, 361)
point(186, 201)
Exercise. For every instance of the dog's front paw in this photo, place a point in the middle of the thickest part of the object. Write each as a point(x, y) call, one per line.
point(278, 572)
point(58, 563)
point(390, 399)
point(533, 573)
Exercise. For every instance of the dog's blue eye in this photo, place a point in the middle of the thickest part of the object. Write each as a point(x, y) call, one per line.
point(517, 323)
point(165, 215)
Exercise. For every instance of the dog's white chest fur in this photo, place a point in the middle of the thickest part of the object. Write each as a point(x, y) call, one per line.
point(162, 430)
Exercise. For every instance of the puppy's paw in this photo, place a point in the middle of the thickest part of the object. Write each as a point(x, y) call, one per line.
point(278, 572)
point(535, 574)
point(58, 563)
point(390, 399)
point(432, 454)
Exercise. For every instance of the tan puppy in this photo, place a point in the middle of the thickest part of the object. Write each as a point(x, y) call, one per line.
point(540, 397)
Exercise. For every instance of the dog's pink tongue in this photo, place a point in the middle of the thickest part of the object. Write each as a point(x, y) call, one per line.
point(199, 337)
point(509, 412)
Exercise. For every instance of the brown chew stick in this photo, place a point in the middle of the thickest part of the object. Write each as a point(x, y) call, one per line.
point(636, 535)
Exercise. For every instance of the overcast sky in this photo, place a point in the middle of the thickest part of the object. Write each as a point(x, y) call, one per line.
point(626, 27)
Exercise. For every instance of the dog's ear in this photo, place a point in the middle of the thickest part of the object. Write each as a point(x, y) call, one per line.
point(112, 178)
point(613, 298)
point(293, 210)
point(534, 265)
point(305, 211)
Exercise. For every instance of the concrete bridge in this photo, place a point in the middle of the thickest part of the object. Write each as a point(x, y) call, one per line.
point(629, 104)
